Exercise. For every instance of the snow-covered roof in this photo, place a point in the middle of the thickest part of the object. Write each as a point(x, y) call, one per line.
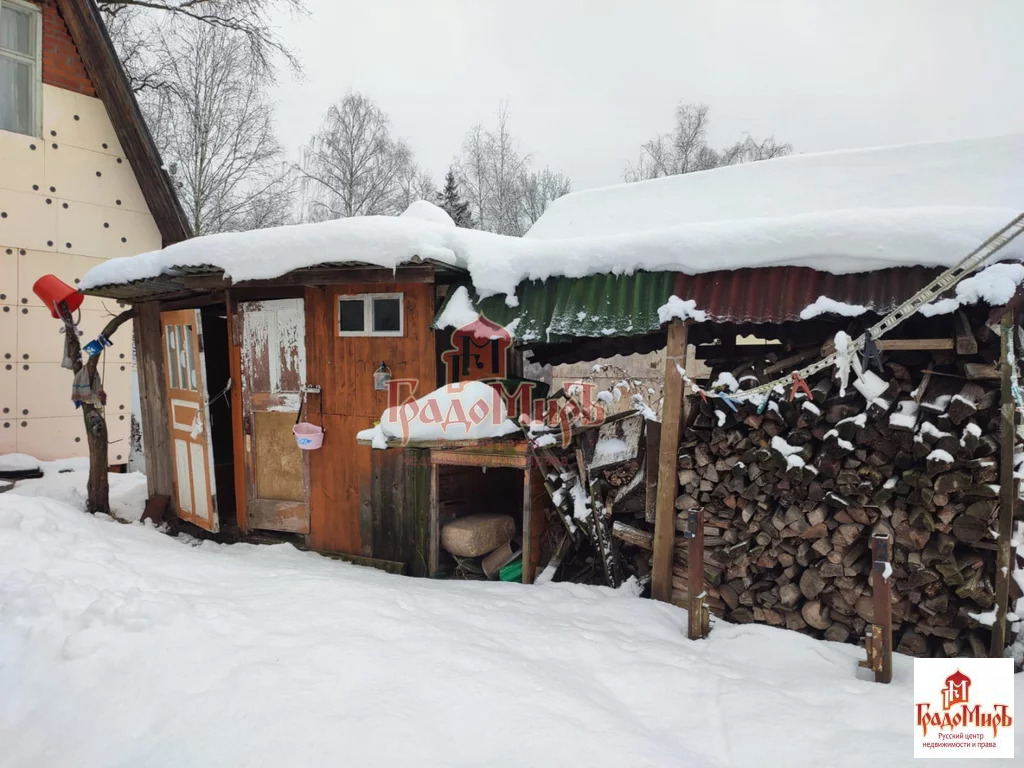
point(840, 212)
point(885, 183)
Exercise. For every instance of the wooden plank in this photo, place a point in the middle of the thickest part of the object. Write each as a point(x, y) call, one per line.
point(881, 595)
point(434, 552)
point(982, 371)
point(651, 467)
point(889, 345)
point(457, 458)
point(237, 433)
point(673, 412)
point(327, 276)
point(1007, 487)
point(153, 397)
point(695, 580)
point(528, 553)
point(966, 343)
point(273, 515)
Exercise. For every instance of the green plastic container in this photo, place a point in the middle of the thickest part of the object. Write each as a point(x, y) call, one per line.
point(513, 571)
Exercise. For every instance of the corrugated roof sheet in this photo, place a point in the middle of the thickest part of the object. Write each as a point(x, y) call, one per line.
point(609, 306)
point(779, 294)
point(597, 306)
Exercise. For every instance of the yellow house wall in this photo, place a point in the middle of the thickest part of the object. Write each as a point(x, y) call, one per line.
point(71, 201)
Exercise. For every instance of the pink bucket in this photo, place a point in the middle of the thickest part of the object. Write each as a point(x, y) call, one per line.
point(308, 436)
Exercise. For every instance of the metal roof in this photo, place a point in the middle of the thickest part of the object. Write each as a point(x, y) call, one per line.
point(612, 306)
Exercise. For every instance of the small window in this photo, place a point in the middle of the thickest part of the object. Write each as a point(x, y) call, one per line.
point(370, 314)
point(20, 72)
point(350, 313)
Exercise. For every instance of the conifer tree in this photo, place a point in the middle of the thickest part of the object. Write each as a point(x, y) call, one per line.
point(449, 200)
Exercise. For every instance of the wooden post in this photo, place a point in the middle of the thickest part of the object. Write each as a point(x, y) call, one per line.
point(668, 472)
point(695, 575)
point(1007, 489)
point(156, 431)
point(881, 593)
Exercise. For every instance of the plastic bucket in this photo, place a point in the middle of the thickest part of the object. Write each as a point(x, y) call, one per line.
point(52, 291)
point(308, 436)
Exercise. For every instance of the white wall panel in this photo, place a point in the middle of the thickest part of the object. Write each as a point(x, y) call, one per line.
point(21, 165)
point(104, 232)
point(44, 391)
point(49, 439)
point(8, 391)
point(8, 334)
point(92, 177)
point(78, 120)
point(8, 275)
point(30, 221)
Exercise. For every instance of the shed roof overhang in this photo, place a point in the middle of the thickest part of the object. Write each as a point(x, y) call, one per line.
point(199, 282)
point(575, 319)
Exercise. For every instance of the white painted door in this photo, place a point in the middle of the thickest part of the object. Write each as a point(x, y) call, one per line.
point(194, 489)
point(273, 373)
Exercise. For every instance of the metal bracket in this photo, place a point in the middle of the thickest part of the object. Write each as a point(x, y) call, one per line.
point(310, 389)
point(692, 521)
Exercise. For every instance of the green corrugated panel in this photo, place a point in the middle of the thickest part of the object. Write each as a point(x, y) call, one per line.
point(597, 306)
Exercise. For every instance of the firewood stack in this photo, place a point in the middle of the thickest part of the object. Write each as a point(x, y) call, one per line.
point(791, 496)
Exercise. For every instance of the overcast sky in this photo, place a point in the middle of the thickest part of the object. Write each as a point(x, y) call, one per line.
point(588, 82)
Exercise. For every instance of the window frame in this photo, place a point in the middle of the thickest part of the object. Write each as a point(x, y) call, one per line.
point(36, 96)
point(367, 299)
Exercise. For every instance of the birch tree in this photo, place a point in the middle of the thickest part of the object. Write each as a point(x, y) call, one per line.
point(215, 130)
point(504, 194)
point(353, 166)
point(686, 148)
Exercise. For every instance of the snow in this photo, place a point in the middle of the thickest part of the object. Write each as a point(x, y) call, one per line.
point(427, 211)
point(887, 571)
point(811, 408)
point(841, 212)
point(987, 618)
point(940, 455)
point(122, 646)
point(994, 285)
point(785, 448)
point(676, 307)
point(726, 380)
point(905, 416)
point(471, 410)
point(66, 480)
point(458, 312)
point(610, 450)
point(824, 305)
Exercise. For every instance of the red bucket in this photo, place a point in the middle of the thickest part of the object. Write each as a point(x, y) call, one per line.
point(52, 290)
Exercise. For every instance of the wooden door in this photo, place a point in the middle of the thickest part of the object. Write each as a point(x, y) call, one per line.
point(195, 492)
point(273, 373)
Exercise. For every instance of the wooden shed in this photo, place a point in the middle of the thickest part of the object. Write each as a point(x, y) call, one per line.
point(224, 368)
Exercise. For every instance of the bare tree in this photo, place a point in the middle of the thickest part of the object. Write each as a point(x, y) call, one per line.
point(540, 190)
point(415, 185)
point(137, 25)
point(505, 196)
point(686, 149)
point(215, 130)
point(352, 166)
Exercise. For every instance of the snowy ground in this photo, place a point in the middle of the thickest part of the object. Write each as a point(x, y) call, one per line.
point(120, 646)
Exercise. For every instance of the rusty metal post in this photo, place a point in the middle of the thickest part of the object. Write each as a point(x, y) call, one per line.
point(878, 639)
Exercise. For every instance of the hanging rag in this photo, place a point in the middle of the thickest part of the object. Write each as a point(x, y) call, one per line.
point(87, 389)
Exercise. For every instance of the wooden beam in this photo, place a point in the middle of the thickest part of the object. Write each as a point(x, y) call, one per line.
point(695, 580)
point(325, 276)
point(1007, 486)
point(434, 525)
point(673, 413)
point(900, 345)
point(153, 398)
point(966, 344)
point(237, 431)
point(527, 554)
point(881, 593)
